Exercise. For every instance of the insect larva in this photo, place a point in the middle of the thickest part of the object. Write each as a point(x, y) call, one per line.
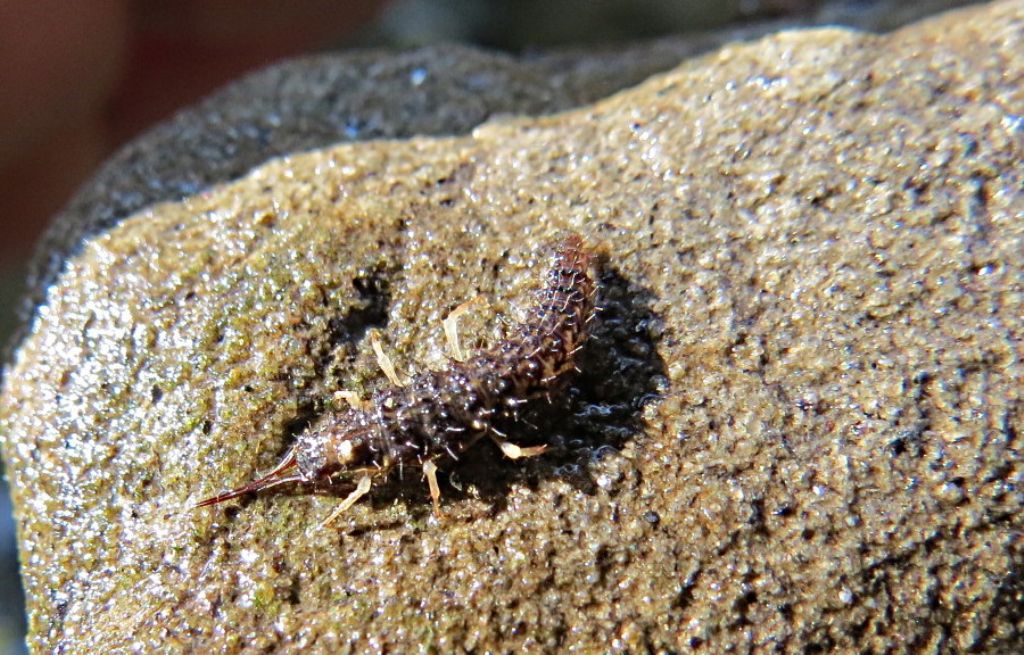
point(438, 415)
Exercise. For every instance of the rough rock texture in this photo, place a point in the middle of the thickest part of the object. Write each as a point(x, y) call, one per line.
point(318, 101)
point(308, 103)
point(797, 426)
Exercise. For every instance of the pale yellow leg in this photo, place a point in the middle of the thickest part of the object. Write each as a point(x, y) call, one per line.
point(430, 471)
point(451, 327)
point(384, 361)
point(362, 488)
point(350, 397)
point(513, 451)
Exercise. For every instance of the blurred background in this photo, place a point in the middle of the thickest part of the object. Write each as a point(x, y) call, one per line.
point(80, 79)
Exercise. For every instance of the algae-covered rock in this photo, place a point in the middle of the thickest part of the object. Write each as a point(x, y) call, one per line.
point(318, 101)
point(796, 428)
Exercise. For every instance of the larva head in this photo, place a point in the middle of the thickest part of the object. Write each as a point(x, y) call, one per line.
point(320, 453)
point(316, 455)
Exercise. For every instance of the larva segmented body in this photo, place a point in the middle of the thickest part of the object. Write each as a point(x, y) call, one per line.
point(439, 414)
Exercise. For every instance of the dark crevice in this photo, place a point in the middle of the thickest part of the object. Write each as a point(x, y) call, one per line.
point(294, 596)
point(371, 309)
point(344, 331)
point(1007, 612)
point(306, 413)
point(741, 607)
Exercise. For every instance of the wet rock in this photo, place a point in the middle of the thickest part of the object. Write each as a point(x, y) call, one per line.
point(808, 370)
point(314, 102)
point(323, 100)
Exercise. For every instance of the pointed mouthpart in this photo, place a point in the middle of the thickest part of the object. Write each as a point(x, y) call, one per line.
point(275, 477)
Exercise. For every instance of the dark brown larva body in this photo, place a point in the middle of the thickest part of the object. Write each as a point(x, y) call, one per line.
point(440, 414)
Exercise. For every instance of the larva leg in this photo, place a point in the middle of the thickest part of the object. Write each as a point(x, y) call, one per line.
point(362, 488)
point(451, 326)
point(513, 451)
point(430, 471)
point(385, 362)
point(352, 398)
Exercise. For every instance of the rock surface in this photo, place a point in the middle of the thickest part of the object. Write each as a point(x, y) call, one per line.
point(309, 103)
point(319, 101)
point(797, 426)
